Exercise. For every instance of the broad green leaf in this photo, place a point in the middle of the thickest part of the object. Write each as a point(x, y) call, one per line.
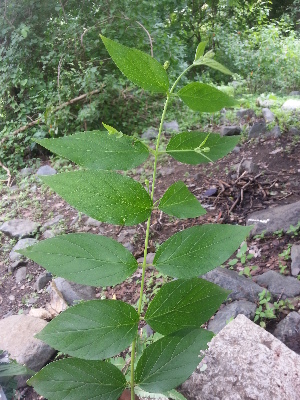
point(197, 250)
point(200, 50)
point(168, 362)
point(138, 67)
point(186, 147)
point(210, 62)
point(13, 369)
point(204, 98)
point(180, 202)
point(84, 258)
point(99, 150)
point(93, 330)
point(103, 195)
point(75, 379)
point(184, 303)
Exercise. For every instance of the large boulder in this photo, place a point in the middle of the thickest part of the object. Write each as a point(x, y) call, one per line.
point(245, 362)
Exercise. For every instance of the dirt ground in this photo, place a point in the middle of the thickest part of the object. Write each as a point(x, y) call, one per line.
point(275, 182)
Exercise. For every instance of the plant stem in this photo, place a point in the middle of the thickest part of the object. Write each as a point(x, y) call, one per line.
point(156, 154)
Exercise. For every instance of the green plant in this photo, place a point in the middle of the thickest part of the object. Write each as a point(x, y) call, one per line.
point(294, 230)
point(95, 330)
point(247, 270)
point(242, 255)
point(286, 254)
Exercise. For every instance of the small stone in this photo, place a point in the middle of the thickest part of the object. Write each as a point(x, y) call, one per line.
point(26, 171)
point(40, 313)
point(293, 130)
point(42, 281)
point(268, 115)
point(128, 246)
point(11, 297)
point(230, 130)
point(236, 150)
point(46, 170)
point(19, 228)
point(288, 331)
point(291, 105)
point(230, 311)
point(245, 113)
point(92, 222)
point(20, 274)
point(275, 132)
point(22, 244)
point(53, 221)
point(74, 292)
point(279, 285)
point(49, 234)
point(265, 102)
point(210, 192)
point(257, 129)
point(246, 165)
point(166, 171)
point(171, 126)
point(295, 256)
point(150, 133)
point(15, 265)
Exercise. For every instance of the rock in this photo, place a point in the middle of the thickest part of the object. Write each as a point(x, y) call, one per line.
point(49, 234)
point(149, 258)
point(240, 286)
point(128, 246)
point(275, 132)
point(288, 331)
point(293, 130)
point(246, 165)
point(245, 113)
point(268, 115)
point(3, 397)
point(40, 313)
point(230, 130)
point(295, 256)
point(295, 93)
point(42, 281)
point(265, 102)
point(291, 105)
point(236, 150)
point(245, 362)
point(57, 302)
point(230, 311)
point(19, 228)
point(53, 221)
point(171, 126)
point(73, 292)
point(21, 244)
point(46, 170)
point(92, 222)
point(273, 219)
point(15, 265)
point(166, 171)
point(17, 338)
point(279, 285)
point(26, 171)
point(257, 129)
point(149, 134)
point(20, 274)
point(210, 192)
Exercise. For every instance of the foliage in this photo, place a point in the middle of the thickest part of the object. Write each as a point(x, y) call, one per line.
point(95, 330)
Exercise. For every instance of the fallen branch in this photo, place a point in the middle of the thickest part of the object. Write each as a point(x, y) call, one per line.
point(8, 180)
point(37, 121)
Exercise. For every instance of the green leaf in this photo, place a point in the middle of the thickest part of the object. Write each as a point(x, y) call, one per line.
point(180, 202)
point(13, 369)
point(74, 379)
point(210, 62)
point(184, 147)
point(93, 330)
point(169, 361)
point(204, 98)
point(197, 250)
point(84, 258)
point(99, 150)
point(103, 195)
point(184, 304)
point(200, 50)
point(138, 67)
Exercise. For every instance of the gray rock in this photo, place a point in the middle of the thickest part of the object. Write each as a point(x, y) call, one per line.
point(21, 244)
point(265, 102)
point(291, 105)
point(273, 219)
point(275, 132)
point(26, 171)
point(295, 93)
point(73, 292)
point(230, 130)
point(46, 170)
point(223, 316)
point(17, 338)
point(236, 150)
point(128, 246)
point(240, 286)
point(246, 165)
point(295, 256)
point(19, 228)
point(42, 281)
point(20, 274)
point(294, 131)
point(92, 222)
point(288, 331)
point(268, 115)
point(149, 134)
point(12, 267)
point(171, 126)
point(243, 362)
point(49, 234)
point(279, 285)
point(53, 221)
point(257, 129)
point(166, 171)
point(245, 113)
